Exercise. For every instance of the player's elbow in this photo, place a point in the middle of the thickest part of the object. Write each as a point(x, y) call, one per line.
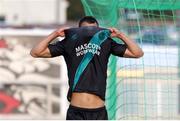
point(34, 54)
point(139, 54)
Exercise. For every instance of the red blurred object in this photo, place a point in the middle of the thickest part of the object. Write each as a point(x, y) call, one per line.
point(10, 103)
point(3, 43)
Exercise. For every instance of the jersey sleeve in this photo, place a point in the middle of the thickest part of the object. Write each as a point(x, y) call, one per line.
point(57, 48)
point(118, 49)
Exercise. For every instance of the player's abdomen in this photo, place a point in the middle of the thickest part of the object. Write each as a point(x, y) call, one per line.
point(86, 100)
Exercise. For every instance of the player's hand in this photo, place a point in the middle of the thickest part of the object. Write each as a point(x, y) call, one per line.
point(116, 33)
point(60, 31)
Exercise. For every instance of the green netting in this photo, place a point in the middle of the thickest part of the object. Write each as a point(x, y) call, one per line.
point(145, 88)
point(150, 4)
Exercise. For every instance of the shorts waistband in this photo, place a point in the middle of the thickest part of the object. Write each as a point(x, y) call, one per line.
point(87, 109)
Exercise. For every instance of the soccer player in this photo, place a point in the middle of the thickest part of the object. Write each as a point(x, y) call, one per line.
point(87, 99)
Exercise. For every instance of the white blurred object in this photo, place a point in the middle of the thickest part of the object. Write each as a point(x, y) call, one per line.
point(2, 52)
point(55, 61)
point(6, 75)
point(5, 63)
point(41, 65)
point(19, 12)
point(36, 78)
point(31, 93)
point(34, 110)
point(12, 55)
point(21, 50)
point(28, 68)
point(17, 67)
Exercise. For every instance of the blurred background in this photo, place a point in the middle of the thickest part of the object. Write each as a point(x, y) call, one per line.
point(145, 88)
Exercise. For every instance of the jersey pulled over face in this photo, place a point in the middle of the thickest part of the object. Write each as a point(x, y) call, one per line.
point(75, 47)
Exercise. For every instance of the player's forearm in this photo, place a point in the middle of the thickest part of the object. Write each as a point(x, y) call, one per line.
point(43, 45)
point(131, 45)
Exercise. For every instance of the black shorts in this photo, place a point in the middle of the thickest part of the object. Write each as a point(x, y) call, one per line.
point(77, 113)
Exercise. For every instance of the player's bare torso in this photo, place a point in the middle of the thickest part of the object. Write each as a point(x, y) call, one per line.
point(86, 100)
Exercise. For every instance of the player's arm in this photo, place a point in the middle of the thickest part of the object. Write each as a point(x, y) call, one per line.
point(133, 50)
point(41, 49)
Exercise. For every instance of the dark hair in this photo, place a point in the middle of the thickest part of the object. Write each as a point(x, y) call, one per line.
point(88, 19)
